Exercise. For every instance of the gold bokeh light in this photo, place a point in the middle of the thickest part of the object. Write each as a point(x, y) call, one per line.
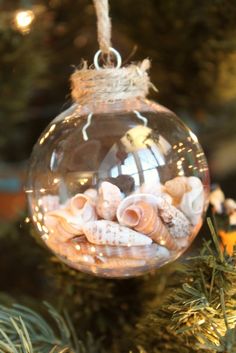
point(23, 20)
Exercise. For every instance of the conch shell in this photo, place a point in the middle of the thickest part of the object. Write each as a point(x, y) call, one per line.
point(177, 223)
point(192, 202)
point(111, 233)
point(143, 217)
point(177, 187)
point(109, 197)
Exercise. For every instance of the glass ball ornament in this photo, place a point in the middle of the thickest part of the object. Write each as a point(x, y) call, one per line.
point(117, 189)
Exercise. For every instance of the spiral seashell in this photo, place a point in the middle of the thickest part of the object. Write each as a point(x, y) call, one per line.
point(109, 197)
point(80, 206)
point(111, 233)
point(176, 222)
point(192, 202)
point(177, 187)
point(143, 217)
point(145, 252)
point(131, 200)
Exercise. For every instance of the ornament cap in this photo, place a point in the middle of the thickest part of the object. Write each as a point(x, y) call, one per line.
point(110, 84)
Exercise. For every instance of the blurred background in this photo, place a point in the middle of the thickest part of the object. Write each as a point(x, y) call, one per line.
point(192, 45)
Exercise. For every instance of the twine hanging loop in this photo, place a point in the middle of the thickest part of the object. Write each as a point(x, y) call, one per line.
point(109, 82)
point(103, 25)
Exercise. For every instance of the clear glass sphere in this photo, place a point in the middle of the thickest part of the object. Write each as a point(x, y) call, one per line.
point(118, 189)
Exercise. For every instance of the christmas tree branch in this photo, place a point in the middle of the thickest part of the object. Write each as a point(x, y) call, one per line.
point(22, 330)
point(201, 312)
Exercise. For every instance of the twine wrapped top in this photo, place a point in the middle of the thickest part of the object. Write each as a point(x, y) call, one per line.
point(110, 84)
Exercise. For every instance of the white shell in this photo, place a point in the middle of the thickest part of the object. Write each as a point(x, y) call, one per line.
point(175, 220)
point(151, 187)
point(155, 189)
point(192, 202)
point(131, 199)
point(80, 206)
point(92, 194)
point(109, 197)
point(108, 232)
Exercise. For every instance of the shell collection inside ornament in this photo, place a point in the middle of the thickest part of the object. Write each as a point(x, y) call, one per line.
point(118, 189)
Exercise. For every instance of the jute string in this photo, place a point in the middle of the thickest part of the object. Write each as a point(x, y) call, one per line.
point(109, 83)
point(103, 25)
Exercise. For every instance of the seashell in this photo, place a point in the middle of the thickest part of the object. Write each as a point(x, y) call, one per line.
point(111, 233)
point(132, 199)
point(177, 223)
point(143, 217)
point(81, 207)
point(144, 252)
point(177, 187)
point(192, 202)
point(92, 194)
point(109, 197)
point(153, 188)
point(75, 213)
point(60, 229)
point(69, 251)
point(66, 220)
